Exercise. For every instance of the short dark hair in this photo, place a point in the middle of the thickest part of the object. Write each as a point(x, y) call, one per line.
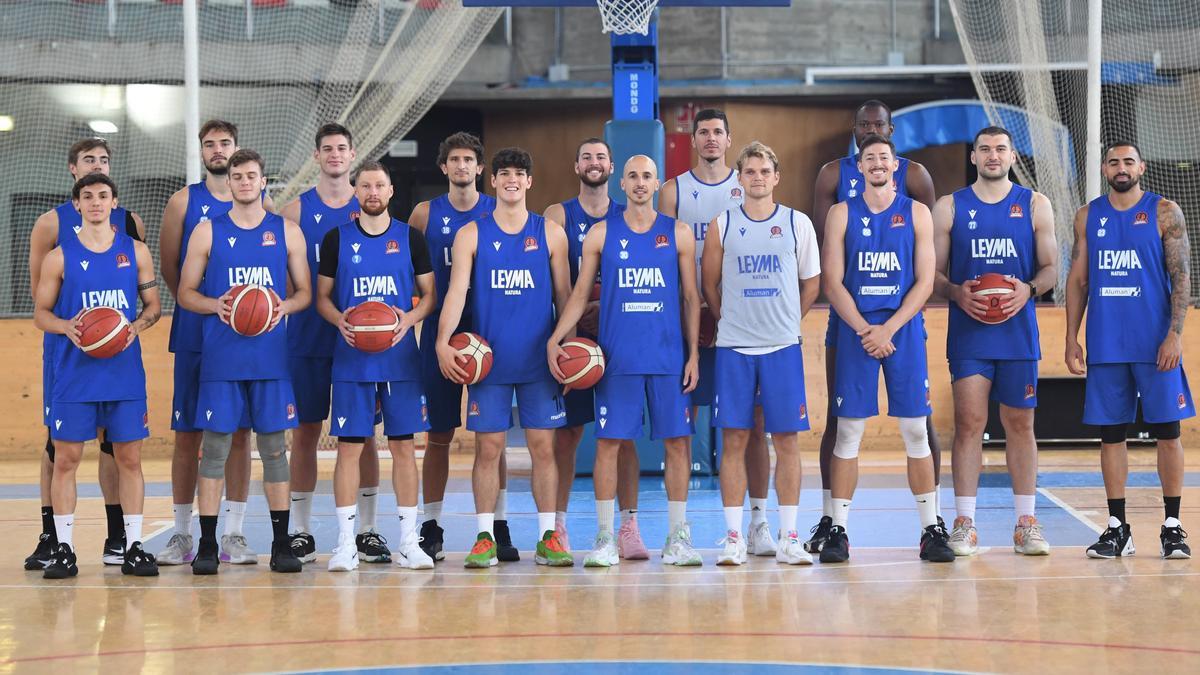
point(371, 165)
point(710, 114)
point(512, 158)
point(219, 125)
point(991, 131)
point(460, 141)
point(874, 103)
point(1122, 144)
point(875, 139)
point(333, 129)
point(86, 144)
point(590, 141)
point(245, 156)
point(93, 179)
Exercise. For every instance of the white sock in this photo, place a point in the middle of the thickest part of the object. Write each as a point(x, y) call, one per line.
point(733, 519)
point(560, 520)
point(183, 518)
point(345, 518)
point(235, 515)
point(965, 506)
point(628, 515)
point(502, 505)
point(301, 515)
point(133, 528)
point(758, 510)
point(787, 517)
point(927, 508)
point(1172, 522)
point(545, 522)
point(676, 514)
point(408, 521)
point(433, 511)
point(839, 511)
point(1023, 504)
point(368, 498)
point(827, 503)
point(604, 516)
point(486, 522)
point(63, 527)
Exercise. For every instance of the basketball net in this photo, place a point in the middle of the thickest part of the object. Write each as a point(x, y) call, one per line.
point(624, 17)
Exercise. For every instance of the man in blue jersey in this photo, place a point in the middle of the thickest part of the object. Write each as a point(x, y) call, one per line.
point(649, 271)
point(593, 165)
point(761, 273)
point(994, 226)
point(1130, 270)
point(376, 258)
point(244, 380)
point(877, 270)
point(99, 266)
point(90, 155)
point(185, 209)
point(516, 263)
point(839, 181)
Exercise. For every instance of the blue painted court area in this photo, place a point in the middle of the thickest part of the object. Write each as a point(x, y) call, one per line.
point(630, 668)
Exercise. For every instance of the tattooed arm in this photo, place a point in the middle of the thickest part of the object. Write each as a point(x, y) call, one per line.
point(1077, 293)
point(1176, 253)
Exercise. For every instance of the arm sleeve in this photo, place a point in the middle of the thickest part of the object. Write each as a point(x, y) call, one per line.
point(329, 254)
point(420, 252)
point(808, 259)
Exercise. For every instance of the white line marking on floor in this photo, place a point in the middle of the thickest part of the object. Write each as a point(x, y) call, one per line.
point(1091, 525)
point(162, 525)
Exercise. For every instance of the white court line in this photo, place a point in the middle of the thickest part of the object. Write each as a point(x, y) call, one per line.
point(581, 661)
point(163, 526)
point(665, 570)
point(1071, 510)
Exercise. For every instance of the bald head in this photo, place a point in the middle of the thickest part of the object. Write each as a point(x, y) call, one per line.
point(639, 180)
point(640, 163)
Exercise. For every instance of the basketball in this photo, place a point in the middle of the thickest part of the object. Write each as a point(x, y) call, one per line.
point(103, 332)
point(708, 327)
point(583, 366)
point(995, 288)
point(251, 309)
point(374, 323)
point(478, 353)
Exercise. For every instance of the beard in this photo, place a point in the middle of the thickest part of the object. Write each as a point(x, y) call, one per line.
point(583, 178)
point(374, 210)
point(217, 170)
point(1126, 187)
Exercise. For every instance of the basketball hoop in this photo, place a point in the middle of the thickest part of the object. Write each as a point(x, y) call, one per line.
point(623, 17)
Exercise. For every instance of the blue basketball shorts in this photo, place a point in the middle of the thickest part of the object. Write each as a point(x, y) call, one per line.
point(621, 399)
point(540, 405)
point(358, 405)
point(1014, 382)
point(122, 421)
point(774, 380)
point(905, 373)
point(1112, 391)
point(266, 406)
point(312, 380)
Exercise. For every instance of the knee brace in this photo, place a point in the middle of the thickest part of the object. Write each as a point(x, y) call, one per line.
point(1165, 431)
point(849, 436)
point(1113, 433)
point(215, 452)
point(916, 438)
point(274, 458)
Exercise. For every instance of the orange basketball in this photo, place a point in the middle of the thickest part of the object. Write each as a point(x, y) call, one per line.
point(478, 353)
point(995, 288)
point(583, 365)
point(708, 327)
point(103, 332)
point(374, 323)
point(252, 309)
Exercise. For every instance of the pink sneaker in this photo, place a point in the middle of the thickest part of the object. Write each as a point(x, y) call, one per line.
point(561, 530)
point(629, 542)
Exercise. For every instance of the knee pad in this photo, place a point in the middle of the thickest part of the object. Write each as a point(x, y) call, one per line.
point(916, 437)
point(215, 452)
point(849, 436)
point(274, 458)
point(1113, 433)
point(1165, 431)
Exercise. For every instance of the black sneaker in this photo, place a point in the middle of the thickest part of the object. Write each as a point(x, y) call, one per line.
point(114, 551)
point(1114, 542)
point(820, 534)
point(431, 540)
point(62, 564)
point(505, 551)
point(1171, 538)
point(372, 547)
point(942, 523)
point(43, 554)
point(207, 558)
point(304, 547)
point(837, 546)
point(935, 545)
point(284, 558)
point(138, 562)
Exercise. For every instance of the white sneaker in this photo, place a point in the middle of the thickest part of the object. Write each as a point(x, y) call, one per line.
point(345, 556)
point(791, 550)
point(964, 538)
point(1028, 538)
point(410, 556)
point(178, 551)
point(604, 552)
point(235, 550)
point(759, 540)
point(734, 552)
point(679, 550)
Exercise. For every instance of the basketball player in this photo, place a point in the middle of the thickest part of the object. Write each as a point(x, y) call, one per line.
point(244, 378)
point(90, 155)
point(761, 275)
point(189, 206)
point(376, 258)
point(647, 263)
point(840, 181)
point(877, 270)
point(460, 157)
point(516, 261)
point(994, 226)
point(696, 197)
point(101, 266)
point(1130, 270)
point(593, 165)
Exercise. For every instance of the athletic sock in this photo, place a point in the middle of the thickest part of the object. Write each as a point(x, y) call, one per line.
point(628, 515)
point(116, 522)
point(279, 525)
point(408, 521)
point(208, 528)
point(927, 509)
point(604, 516)
point(63, 525)
point(183, 518)
point(368, 502)
point(827, 503)
point(1116, 509)
point(965, 507)
point(840, 511)
point(758, 510)
point(502, 505)
point(486, 522)
point(1024, 505)
point(787, 517)
point(345, 519)
point(676, 514)
point(733, 519)
point(133, 528)
point(433, 511)
point(1171, 506)
point(545, 522)
point(235, 515)
point(301, 511)
point(48, 520)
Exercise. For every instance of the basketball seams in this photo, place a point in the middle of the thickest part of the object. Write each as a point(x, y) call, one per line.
point(237, 302)
point(122, 324)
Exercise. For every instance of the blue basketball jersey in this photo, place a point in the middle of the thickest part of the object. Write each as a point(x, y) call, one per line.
point(238, 256)
point(444, 223)
point(514, 299)
point(307, 333)
point(851, 182)
point(993, 238)
point(879, 254)
point(375, 268)
point(578, 223)
point(187, 328)
point(1129, 291)
point(640, 331)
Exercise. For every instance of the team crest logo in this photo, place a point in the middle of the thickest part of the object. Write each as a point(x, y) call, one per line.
point(268, 239)
point(660, 241)
point(735, 193)
point(354, 215)
point(530, 244)
point(1015, 211)
point(1182, 402)
point(291, 411)
point(776, 231)
point(1141, 218)
point(391, 247)
point(803, 411)
point(122, 260)
point(474, 411)
point(897, 220)
point(1030, 392)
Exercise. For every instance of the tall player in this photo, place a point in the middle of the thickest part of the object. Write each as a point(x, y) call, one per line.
point(761, 275)
point(90, 155)
point(516, 263)
point(647, 263)
point(244, 377)
point(840, 181)
point(100, 266)
point(877, 270)
point(1130, 260)
point(994, 226)
point(187, 208)
point(593, 165)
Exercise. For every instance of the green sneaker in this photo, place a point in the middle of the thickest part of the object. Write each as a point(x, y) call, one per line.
point(550, 551)
point(483, 553)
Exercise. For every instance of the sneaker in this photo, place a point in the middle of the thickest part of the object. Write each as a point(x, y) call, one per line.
point(235, 550)
point(561, 530)
point(629, 542)
point(551, 551)
point(483, 553)
point(836, 548)
point(820, 534)
point(604, 552)
point(207, 560)
point(304, 547)
point(178, 550)
point(505, 551)
point(759, 540)
point(1114, 542)
point(345, 555)
point(42, 554)
point(1171, 539)
point(964, 539)
point(411, 556)
point(935, 545)
point(431, 540)
point(114, 551)
point(734, 549)
point(679, 550)
point(62, 563)
point(285, 560)
point(791, 550)
point(1028, 539)
point(138, 563)
point(372, 547)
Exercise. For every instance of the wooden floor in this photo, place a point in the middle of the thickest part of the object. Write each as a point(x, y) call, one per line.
point(884, 610)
